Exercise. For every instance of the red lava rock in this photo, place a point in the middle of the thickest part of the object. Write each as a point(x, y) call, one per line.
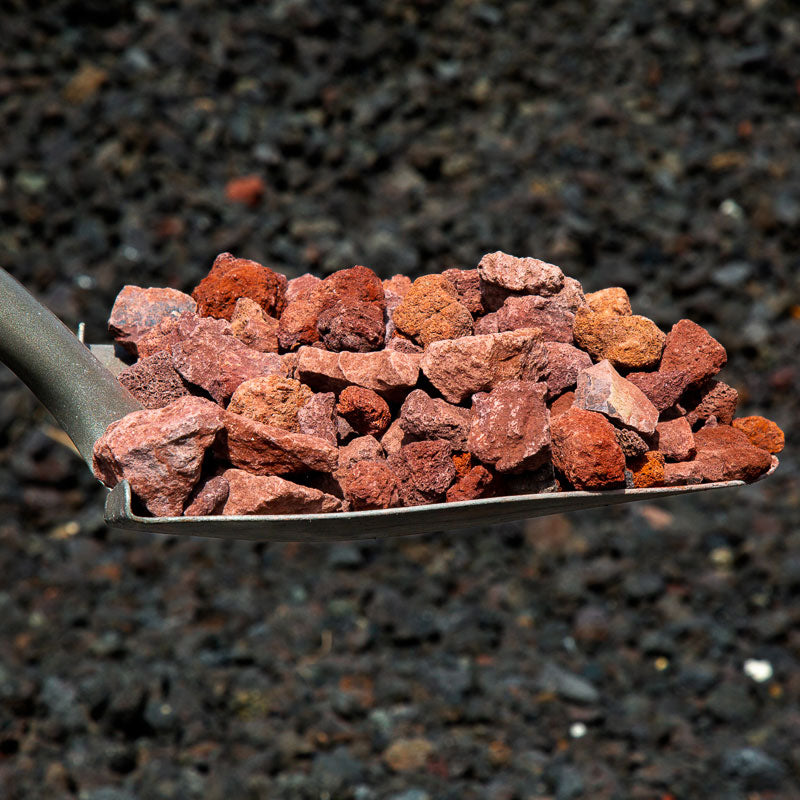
point(562, 404)
point(521, 274)
point(272, 400)
point(316, 417)
point(647, 470)
point(601, 388)
point(691, 349)
point(247, 190)
point(269, 450)
point(430, 312)
point(153, 381)
point(390, 373)
point(253, 494)
point(424, 417)
point(675, 439)
point(477, 483)
point(231, 278)
point(219, 363)
point(355, 326)
point(370, 485)
point(159, 452)
point(726, 454)
point(302, 286)
point(564, 362)
point(663, 389)
point(510, 426)
point(585, 449)
point(467, 284)
point(761, 432)
point(297, 325)
point(210, 498)
point(424, 471)
point(460, 367)
point(631, 443)
point(613, 300)
point(682, 473)
point(137, 310)
point(366, 411)
point(712, 398)
point(249, 324)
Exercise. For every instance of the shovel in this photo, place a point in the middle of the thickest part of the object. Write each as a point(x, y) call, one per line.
point(78, 386)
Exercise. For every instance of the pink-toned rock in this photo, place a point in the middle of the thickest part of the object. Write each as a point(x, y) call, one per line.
point(424, 471)
point(210, 499)
point(390, 373)
point(253, 494)
point(564, 362)
point(397, 285)
point(530, 311)
point(460, 367)
point(302, 286)
point(219, 363)
point(370, 485)
point(297, 325)
point(488, 323)
point(726, 454)
point(424, 417)
point(562, 404)
point(585, 449)
point(316, 417)
point(477, 483)
point(159, 452)
point(403, 345)
point(365, 411)
point(249, 324)
point(137, 310)
point(467, 283)
point(601, 388)
point(521, 274)
point(571, 296)
point(344, 430)
point(268, 450)
point(172, 330)
point(362, 448)
point(355, 326)
point(153, 381)
point(510, 426)
point(395, 437)
point(711, 398)
point(682, 473)
point(272, 400)
point(631, 443)
point(691, 349)
point(613, 300)
point(320, 369)
point(662, 388)
point(675, 440)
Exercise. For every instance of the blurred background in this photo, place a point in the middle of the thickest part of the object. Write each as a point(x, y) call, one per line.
point(648, 652)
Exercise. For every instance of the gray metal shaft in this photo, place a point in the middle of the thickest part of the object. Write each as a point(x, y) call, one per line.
point(70, 382)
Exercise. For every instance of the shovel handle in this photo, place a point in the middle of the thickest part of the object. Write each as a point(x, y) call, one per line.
point(69, 381)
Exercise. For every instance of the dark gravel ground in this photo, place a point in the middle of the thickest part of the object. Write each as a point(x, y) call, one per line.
point(598, 655)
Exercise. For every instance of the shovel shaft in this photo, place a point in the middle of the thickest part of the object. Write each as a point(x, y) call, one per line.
point(70, 382)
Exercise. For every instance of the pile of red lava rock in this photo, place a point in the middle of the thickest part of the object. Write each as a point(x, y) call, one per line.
point(264, 395)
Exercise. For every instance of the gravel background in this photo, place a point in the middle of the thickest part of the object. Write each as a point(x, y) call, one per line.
point(597, 655)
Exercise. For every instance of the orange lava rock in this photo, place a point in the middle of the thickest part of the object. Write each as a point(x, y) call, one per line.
point(675, 440)
point(231, 278)
point(478, 482)
point(613, 300)
point(249, 324)
point(370, 485)
point(255, 494)
point(726, 454)
point(366, 411)
point(430, 311)
point(710, 399)
point(628, 342)
point(761, 432)
point(691, 349)
point(273, 400)
point(247, 190)
point(585, 449)
point(647, 470)
point(463, 462)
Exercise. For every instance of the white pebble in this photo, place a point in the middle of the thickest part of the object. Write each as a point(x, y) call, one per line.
point(577, 730)
point(758, 670)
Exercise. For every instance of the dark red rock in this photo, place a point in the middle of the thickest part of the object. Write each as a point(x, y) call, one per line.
point(253, 494)
point(631, 443)
point(691, 349)
point(355, 326)
point(364, 410)
point(662, 388)
point(423, 417)
point(562, 404)
point(510, 426)
point(210, 499)
point(555, 321)
point(467, 285)
point(711, 398)
point(424, 471)
point(138, 310)
point(231, 278)
point(477, 483)
point(153, 381)
point(159, 452)
point(564, 362)
point(586, 451)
